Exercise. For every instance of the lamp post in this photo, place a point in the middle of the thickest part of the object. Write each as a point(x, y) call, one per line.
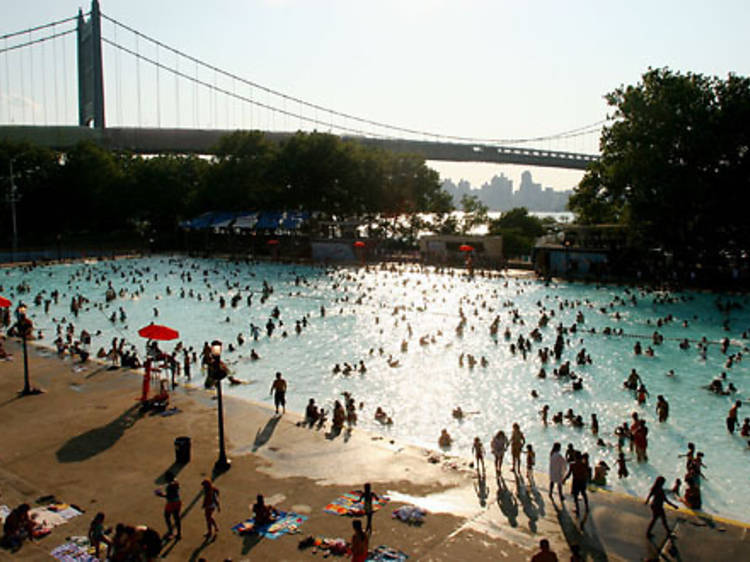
point(218, 372)
point(13, 198)
point(25, 327)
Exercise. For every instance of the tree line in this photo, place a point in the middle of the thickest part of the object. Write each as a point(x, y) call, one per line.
point(89, 189)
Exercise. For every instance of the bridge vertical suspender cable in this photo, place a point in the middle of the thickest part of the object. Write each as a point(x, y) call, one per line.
point(44, 84)
point(23, 87)
point(65, 82)
point(138, 80)
point(7, 81)
point(177, 92)
point(120, 108)
point(158, 92)
point(31, 83)
point(54, 72)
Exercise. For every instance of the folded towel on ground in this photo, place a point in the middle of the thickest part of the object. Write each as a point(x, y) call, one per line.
point(387, 554)
point(337, 546)
point(286, 522)
point(349, 504)
point(410, 514)
point(170, 412)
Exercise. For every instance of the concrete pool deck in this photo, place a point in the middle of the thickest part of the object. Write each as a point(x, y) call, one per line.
point(83, 442)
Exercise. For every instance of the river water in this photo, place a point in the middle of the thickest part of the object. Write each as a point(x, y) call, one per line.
point(366, 311)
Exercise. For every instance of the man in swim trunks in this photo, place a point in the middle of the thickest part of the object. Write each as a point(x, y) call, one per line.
point(278, 389)
point(579, 471)
point(732, 416)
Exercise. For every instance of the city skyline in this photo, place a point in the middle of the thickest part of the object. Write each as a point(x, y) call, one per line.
point(498, 194)
point(476, 69)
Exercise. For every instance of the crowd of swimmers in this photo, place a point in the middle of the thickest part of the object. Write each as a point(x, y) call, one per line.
point(520, 339)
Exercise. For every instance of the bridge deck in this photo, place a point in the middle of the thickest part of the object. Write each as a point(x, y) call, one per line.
point(203, 141)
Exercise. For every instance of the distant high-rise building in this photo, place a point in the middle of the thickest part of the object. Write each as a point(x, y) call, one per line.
point(498, 194)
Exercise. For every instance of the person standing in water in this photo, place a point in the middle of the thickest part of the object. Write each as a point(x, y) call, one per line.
point(499, 445)
point(517, 441)
point(478, 450)
point(732, 416)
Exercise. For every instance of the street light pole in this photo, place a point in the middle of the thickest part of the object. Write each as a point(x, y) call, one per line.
point(13, 199)
point(218, 372)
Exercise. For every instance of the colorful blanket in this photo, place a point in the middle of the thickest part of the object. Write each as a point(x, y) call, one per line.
point(349, 504)
point(387, 554)
point(286, 522)
point(71, 552)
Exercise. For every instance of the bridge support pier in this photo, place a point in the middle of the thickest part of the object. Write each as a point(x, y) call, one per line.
point(90, 75)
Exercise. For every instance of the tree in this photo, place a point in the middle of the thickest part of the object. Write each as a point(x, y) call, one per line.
point(675, 165)
point(475, 213)
point(519, 231)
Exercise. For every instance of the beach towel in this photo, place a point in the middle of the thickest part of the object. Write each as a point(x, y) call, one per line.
point(71, 552)
point(387, 554)
point(65, 510)
point(349, 504)
point(46, 518)
point(286, 522)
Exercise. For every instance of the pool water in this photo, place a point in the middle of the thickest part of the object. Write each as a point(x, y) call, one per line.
point(367, 311)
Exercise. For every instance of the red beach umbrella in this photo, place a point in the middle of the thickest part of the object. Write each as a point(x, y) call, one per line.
point(273, 242)
point(158, 332)
point(466, 248)
point(359, 244)
point(154, 332)
point(4, 303)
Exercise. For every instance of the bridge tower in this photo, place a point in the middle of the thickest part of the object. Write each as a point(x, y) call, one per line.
point(90, 77)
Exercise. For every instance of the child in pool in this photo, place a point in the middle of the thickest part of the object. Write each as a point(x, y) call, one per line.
point(622, 467)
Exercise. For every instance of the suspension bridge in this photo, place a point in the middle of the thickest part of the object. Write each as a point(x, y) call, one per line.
point(182, 104)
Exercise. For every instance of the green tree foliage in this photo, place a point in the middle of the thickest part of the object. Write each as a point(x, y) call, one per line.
point(92, 189)
point(475, 213)
point(519, 230)
point(675, 164)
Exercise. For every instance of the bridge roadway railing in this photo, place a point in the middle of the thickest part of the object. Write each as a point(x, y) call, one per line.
point(202, 141)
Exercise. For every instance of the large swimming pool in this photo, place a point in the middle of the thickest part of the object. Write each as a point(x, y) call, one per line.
point(367, 311)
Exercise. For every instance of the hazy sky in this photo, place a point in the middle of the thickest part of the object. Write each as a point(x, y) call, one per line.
point(485, 69)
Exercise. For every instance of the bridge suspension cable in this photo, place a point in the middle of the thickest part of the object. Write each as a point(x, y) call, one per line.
point(38, 28)
point(217, 89)
point(31, 42)
point(393, 129)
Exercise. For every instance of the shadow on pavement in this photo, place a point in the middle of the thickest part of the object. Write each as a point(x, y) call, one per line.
point(587, 543)
point(97, 440)
point(507, 503)
point(527, 504)
point(174, 469)
point(263, 435)
point(481, 489)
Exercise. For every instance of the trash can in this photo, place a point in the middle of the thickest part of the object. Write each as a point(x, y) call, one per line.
point(182, 450)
